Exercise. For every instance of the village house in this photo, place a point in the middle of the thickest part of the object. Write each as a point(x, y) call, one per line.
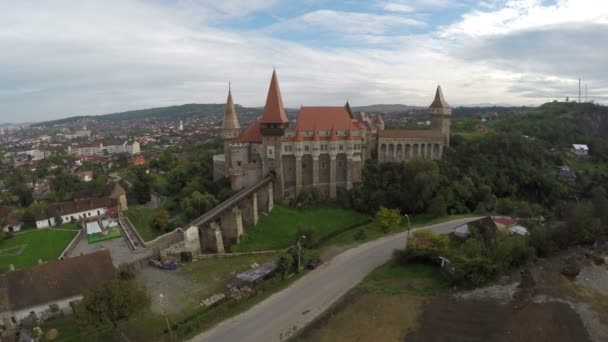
point(9, 220)
point(580, 150)
point(51, 289)
point(76, 210)
point(85, 176)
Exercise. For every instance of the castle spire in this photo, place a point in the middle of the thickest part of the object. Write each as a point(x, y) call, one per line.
point(347, 107)
point(439, 101)
point(274, 111)
point(230, 119)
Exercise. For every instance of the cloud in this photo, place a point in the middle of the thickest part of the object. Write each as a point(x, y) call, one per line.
point(71, 58)
point(349, 23)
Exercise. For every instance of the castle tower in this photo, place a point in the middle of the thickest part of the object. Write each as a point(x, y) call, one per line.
point(272, 128)
point(441, 112)
point(181, 125)
point(230, 128)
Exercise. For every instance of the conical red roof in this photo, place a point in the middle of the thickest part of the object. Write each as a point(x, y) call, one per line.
point(274, 111)
point(439, 101)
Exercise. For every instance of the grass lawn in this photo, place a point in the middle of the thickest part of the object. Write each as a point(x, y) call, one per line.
point(371, 232)
point(45, 244)
point(142, 220)
point(277, 229)
point(394, 278)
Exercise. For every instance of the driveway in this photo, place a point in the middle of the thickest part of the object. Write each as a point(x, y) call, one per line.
point(281, 315)
point(119, 250)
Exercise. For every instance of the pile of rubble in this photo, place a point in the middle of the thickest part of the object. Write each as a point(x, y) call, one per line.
point(240, 293)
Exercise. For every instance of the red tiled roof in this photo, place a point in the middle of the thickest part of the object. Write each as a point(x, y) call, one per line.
point(274, 111)
point(324, 118)
point(252, 134)
point(507, 221)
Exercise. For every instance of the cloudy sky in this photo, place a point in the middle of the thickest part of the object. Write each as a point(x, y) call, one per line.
point(63, 58)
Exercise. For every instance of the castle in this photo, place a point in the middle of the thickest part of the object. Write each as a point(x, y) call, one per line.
point(325, 148)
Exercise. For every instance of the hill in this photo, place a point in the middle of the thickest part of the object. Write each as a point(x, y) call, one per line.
point(171, 112)
point(385, 108)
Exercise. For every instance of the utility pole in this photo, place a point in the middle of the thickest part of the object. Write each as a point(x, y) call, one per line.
point(300, 252)
point(408, 229)
point(162, 306)
point(586, 99)
point(579, 90)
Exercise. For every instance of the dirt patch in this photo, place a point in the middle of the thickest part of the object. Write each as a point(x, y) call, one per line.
point(446, 319)
point(364, 316)
point(176, 289)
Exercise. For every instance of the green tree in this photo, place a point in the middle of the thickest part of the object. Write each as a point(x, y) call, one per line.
point(141, 185)
point(425, 246)
point(109, 303)
point(583, 225)
point(309, 233)
point(284, 264)
point(161, 220)
point(387, 219)
point(58, 219)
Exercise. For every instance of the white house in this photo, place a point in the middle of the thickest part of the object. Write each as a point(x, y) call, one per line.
point(79, 209)
point(50, 289)
point(518, 230)
point(580, 150)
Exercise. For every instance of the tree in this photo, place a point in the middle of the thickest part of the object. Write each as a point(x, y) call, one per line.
point(386, 219)
point(426, 246)
point(284, 264)
point(109, 303)
point(141, 185)
point(58, 219)
point(161, 220)
point(309, 236)
point(583, 225)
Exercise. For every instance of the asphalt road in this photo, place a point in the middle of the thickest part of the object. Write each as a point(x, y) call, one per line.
point(278, 317)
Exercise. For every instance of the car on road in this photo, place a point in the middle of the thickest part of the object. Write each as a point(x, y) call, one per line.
point(314, 263)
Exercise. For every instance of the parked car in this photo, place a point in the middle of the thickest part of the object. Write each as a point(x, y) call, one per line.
point(314, 263)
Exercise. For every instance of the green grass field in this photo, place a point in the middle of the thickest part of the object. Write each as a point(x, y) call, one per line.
point(277, 229)
point(394, 278)
point(142, 220)
point(45, 244)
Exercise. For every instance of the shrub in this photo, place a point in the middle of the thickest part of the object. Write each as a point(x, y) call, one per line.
point(360, 235)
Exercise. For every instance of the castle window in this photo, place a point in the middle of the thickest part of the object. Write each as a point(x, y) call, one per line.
point(340, 147)
point(306, 148)
point(238, 163)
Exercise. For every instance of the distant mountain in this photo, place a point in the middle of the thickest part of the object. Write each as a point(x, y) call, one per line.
point(385, 108)
point(171, 112)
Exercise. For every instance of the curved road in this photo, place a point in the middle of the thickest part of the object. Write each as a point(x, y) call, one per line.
point(278, 317)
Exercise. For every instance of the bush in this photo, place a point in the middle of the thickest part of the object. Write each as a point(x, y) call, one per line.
point(387, 219)
point(309, 233)
point(425, 246)
point(360, 235)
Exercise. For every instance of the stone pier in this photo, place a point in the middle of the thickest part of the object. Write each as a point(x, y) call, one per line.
point(232, 225)
point(211, 239)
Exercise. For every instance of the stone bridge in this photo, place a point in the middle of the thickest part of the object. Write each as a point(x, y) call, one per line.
point(222, 226)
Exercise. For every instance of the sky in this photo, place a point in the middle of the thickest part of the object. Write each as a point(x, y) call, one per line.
point(63, 58)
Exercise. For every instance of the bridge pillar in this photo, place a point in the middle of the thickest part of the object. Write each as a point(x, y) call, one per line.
point(250, 209)
point(211, 239)
point(192, 240)
point(332, 176)
point(232, 225)
point(298, 174)
point(270, 197)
